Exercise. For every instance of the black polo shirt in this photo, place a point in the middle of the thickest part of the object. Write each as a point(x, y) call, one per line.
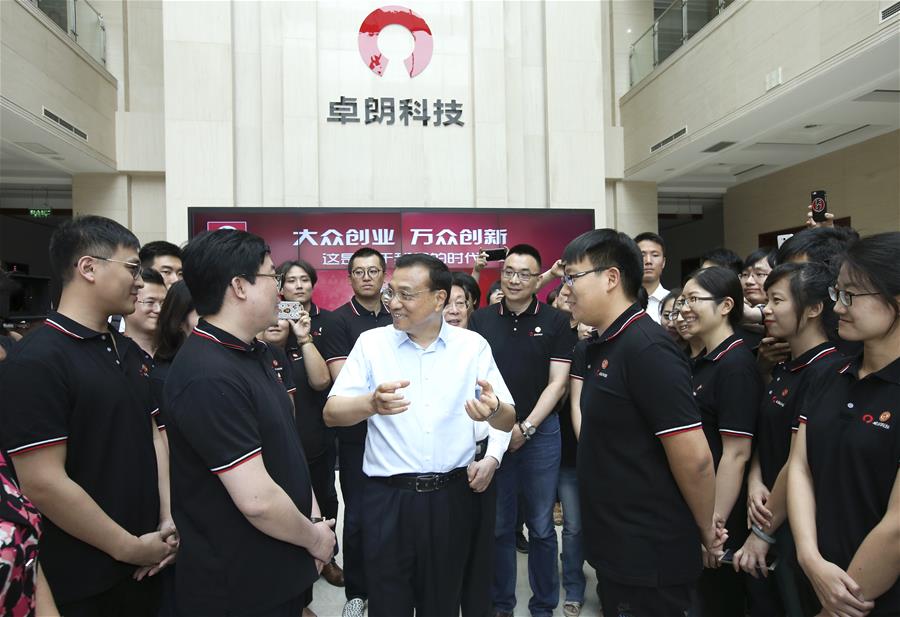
point(566, 429)
point(340, 330)
point(779, 407)
point(227, 404)
point(524, 345)
point(308, 402)
point(638, 529)
point(727, 387)
point(67, 384)
point(853, 449)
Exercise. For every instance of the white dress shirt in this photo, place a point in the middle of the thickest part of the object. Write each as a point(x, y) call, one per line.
point(435, 435)
point(653, 302)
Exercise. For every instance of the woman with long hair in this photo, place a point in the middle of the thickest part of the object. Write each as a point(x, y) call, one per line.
point(843, 480)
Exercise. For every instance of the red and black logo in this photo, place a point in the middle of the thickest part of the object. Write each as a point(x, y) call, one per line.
point(818, 205)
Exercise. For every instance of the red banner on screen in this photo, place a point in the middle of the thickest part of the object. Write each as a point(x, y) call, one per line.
point(327, 238)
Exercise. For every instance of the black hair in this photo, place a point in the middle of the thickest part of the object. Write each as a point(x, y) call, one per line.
point(823, 244)
point(652, 237)
point(212, 258)
point(159, 248)
point(872, 262)
point(722, 283)
point(152, 277)
point(608, 248)
point(365, 251)
point(808, 283)
point(726, 258)
point(439, 276)
point(673, 294)
point(525, 249)
point(761, 253)
point(169, 335)
point(285, 267)
point(469, 285)
point(554, 294)
point(86, 235)
point(494, 288)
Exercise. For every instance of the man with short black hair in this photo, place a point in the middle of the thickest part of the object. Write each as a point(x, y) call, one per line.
point(364, 311)
point(420, 385)
point(653, 253)
point(645, 472)
point(726, 258)
point(140, 326)
point(164, 257)
point(77, 422)
point(253, 539)
point(532, 345)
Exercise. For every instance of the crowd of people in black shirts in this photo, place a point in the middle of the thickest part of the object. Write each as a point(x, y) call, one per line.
point(727, 448)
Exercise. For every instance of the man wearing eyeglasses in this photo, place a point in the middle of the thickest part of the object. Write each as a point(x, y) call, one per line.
point(420, 386)
point(77, 422)
point(140, 326)
point(343, 326)
point(532, 345)
point(253, 538)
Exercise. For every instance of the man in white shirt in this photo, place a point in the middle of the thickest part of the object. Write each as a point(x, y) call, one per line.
point(422, 385)
point(653, 253)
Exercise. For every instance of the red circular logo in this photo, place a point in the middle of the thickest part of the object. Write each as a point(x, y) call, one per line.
point(378, 20)
point(868, 418)
point(818, 204)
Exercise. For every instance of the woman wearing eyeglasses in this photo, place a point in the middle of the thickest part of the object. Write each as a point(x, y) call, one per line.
point(798, 311)
point(843, 479)
point(727, 389)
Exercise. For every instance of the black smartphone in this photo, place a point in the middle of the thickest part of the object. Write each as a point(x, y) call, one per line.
point(819, 206)
point(728, 558)
point(495, 254)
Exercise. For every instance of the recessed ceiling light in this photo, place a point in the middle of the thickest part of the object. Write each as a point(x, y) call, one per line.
point(628, 31)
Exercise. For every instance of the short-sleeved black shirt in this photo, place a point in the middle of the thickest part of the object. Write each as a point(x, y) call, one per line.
point(853, 449)
point(341, 329)
point(524, 345)
point(727, 387)
point(638, 529)
point(566, 429)
point(309, 403)
point(67, 384)
point(228, 404)
point(779, 407)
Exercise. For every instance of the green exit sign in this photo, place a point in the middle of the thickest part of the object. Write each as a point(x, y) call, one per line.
point(40, 213)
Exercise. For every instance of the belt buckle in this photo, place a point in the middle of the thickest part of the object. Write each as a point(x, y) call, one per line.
point(426, 483)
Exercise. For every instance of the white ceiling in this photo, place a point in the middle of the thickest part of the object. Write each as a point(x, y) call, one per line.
point(854, 101)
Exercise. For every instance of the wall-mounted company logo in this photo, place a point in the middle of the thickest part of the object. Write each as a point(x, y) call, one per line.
point(239, 225)
point(379, 19)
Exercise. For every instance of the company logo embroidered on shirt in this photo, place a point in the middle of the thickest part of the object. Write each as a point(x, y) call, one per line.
point(882, 421)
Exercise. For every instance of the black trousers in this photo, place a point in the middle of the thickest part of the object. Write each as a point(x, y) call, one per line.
point(416, 546)
point(479, 573)
point(127, 597)
point(352, 482)
point(620, 600)
point(321, 476)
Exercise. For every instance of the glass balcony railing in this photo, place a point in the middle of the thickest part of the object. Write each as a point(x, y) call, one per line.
point(680, 21)
point(81, 21)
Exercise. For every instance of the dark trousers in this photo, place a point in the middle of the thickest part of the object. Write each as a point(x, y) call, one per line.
point(479, 573)
point(321, 476)
point(620, 600)
point(352, 482)
point(416, 548)
point(127, 597)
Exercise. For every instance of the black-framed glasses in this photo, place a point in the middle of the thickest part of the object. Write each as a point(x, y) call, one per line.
point(279, 278)
point(134, 268)
point(846, 297)
point(670, 315)
point(388, 294)
point(692, 300)
point(509, 274)
point(360, 273)
point(569, 279)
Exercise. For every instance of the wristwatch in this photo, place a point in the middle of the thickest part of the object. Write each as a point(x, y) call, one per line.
point(527, 428)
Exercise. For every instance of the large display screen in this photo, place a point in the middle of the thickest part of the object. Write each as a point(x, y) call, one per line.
point(326, 238)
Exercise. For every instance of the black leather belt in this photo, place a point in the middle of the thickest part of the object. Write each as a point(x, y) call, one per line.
point(423, 483)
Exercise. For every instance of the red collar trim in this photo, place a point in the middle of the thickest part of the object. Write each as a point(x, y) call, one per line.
point(56, 326)
point(207, 335)
point(722, 353)
point(627, 323)
point(818, 356)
